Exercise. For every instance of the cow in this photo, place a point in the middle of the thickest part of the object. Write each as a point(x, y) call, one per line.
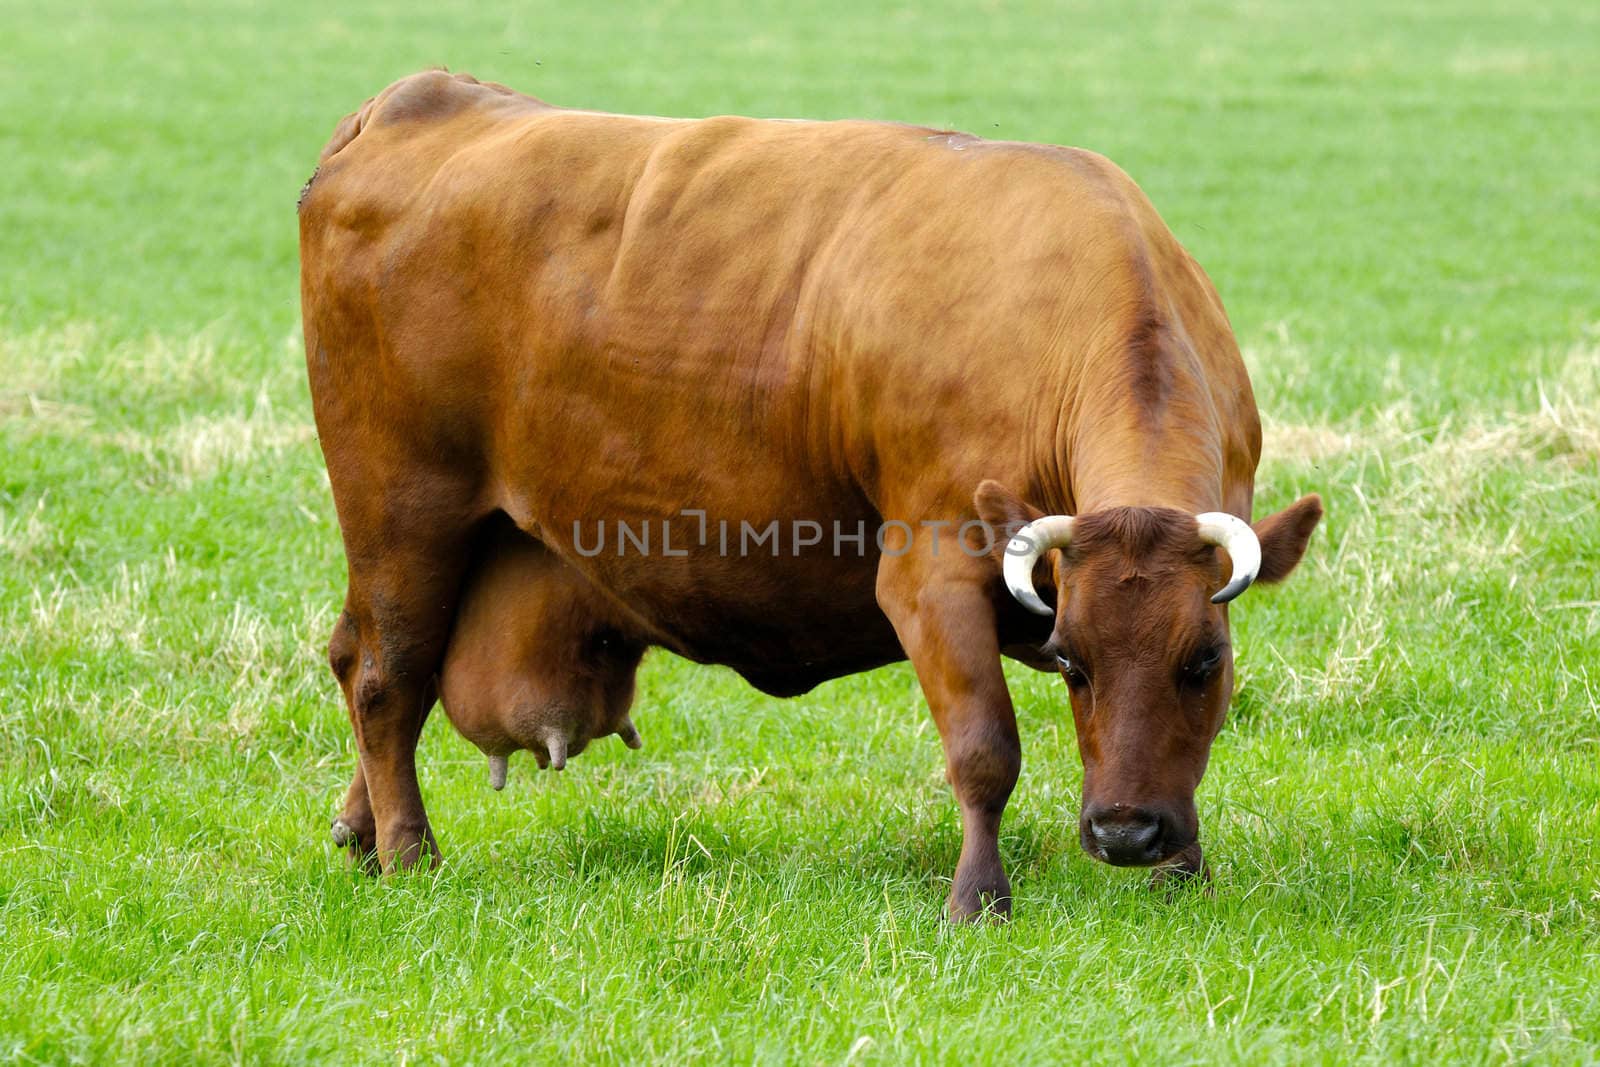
point(588, 324)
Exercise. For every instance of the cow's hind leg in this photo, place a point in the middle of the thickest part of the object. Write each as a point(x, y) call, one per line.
point(944, 616)
point(405, 576)
point(355, 828)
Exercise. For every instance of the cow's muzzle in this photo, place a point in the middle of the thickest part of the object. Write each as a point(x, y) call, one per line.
point(1127, 837)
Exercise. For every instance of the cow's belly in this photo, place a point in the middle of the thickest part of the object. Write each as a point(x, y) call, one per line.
point(723, 550)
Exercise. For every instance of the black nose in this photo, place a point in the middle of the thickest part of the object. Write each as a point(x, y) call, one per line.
point(1125, 837)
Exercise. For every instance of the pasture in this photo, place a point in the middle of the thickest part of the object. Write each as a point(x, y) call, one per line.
point(1400, 205)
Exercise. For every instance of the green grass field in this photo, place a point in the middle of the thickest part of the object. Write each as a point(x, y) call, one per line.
point(1400, 204)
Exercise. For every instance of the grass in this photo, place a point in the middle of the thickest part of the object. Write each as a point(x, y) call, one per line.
point(1400, 205)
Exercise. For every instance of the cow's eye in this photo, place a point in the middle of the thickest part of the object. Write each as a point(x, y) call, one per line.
point(1203, 664)
point(1070, 670)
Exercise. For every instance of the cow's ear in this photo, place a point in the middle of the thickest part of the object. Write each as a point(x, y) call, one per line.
point(1283, 537)
point(1004, 512)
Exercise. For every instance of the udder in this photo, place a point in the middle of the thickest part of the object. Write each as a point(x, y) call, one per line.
point(538, 660)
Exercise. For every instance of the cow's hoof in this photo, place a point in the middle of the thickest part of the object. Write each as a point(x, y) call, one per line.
point(361, 849)
point(996, 910)
point(412, 848)
point(980, 891)
point(968, 905)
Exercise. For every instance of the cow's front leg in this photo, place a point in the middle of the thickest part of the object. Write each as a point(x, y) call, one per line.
point(945, 621)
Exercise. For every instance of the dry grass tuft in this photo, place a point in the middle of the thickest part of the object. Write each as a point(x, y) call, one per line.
point(1424, 512)
point(23, 531)
point(201, 446)
point(60, 381)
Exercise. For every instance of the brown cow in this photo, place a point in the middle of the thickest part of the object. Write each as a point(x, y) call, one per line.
point(595, 323)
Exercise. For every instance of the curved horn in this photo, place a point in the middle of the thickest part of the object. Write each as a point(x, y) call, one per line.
point(629, 733)
point(1024, 550)
point(1234, 536)
point(497, 772)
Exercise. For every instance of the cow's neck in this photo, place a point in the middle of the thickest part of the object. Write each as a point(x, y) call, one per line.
point(1126, 459)
point(1148, 421)
point(1142, 485)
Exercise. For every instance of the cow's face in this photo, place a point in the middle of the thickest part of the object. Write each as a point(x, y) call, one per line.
point(1146, 657)
point(1149, 670)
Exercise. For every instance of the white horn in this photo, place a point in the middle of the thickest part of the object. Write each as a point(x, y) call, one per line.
point(497, 772)
point(1234, 536)
point(1024, 550)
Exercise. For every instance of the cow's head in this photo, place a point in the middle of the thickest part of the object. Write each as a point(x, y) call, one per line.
point(1141, 639)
